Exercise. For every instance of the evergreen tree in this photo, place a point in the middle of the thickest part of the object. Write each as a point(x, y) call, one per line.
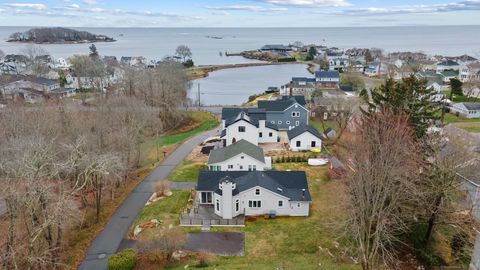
point(456, 86)
point(93, 51)
point(410, 95)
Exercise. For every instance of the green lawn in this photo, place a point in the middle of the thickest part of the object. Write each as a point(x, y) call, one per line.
point(186, 172)
point(451, 118)
point(294, 242)
point(457, 98)
point(166, 210)
point(198, 121)
point(317, 124)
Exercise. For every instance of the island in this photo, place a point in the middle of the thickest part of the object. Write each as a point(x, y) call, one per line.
point(57, 35)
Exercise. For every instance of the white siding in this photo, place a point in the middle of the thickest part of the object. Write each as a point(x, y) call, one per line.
point(269, 204)
point(268, 135)
point(250, 134)
point(305, 140)
point(240, 164)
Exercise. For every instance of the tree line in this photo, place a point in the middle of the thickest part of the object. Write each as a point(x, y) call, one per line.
point(57, 160)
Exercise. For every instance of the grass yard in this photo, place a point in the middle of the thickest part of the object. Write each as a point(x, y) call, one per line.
point(470, 125)
point(166, 210)
point(196, 123)
point(186, 172)
point(317, 124)
point(294, 242)
point(254, 102)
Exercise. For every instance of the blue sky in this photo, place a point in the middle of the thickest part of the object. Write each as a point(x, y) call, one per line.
point(238, 13)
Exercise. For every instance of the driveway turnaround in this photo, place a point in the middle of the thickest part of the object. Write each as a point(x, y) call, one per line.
point(108, 241)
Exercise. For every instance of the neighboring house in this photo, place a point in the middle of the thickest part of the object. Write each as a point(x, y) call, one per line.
point(279, 193)
point(240, 156)
point(287, 113)
point(327, 79)
point(8, 68)
point(247, 124)
point(133, 61)
point(304, 138)
point(33, 89)
point(467, 109)
point(470, 72)
point(447, 75)
point(376, 69)
point(276, 48)
point(62, 63)
point(301, 86)
point(338, 64)
point(447, 65)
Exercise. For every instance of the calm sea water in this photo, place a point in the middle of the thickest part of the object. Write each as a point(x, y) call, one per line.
point(234, 86)
point(155, 43)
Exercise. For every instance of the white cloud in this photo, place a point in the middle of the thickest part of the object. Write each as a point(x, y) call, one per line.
point(413, 9)
point(28, 6)
point(246, 8)
point(308, 3)
point(89, 2)
point(77, 7)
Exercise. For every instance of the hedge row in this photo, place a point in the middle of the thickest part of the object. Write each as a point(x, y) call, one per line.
point(124, 260)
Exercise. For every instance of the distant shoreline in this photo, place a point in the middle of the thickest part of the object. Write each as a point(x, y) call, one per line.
point(61, 43)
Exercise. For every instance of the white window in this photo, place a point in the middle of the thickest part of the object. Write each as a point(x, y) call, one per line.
point(288, 122)
point(257, 191)
point(241, 129)
point(270, 134)
point(237, 205)
point(217, 204)
point(241, 167)
point(254, 204)
point(273, 122)
point(299, 143)
point(242, 157)
point(298, 205)
point(252, 167)
point(260, 134)
point(230, 166)
point(206, 197)
point(280, 203)
point(297, 123)
point(279, 122)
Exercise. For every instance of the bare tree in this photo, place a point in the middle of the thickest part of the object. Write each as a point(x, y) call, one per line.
point(380, 184)
point(36, 60)
point(184, 52)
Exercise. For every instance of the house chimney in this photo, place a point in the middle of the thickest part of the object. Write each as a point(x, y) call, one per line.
point(227, 187)
point(303, 193)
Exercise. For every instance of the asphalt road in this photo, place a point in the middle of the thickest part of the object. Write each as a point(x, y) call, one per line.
point(108, 241)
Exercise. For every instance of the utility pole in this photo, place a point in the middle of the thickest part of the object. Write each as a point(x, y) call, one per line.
point(199, 103)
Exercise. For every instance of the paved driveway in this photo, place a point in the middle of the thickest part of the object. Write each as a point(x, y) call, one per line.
point(108, 241)
point(219, 243)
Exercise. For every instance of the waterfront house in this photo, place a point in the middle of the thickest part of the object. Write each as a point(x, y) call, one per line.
point(286, 113)
point(254, 193)
point(447, 75)
point(467, 109)
point(338, 64)
point(8, 68)
point(247, 124)
point(376, 69)
point(447, 65)
point(304, 138)
point(240, 156)
point(300, 86)
point(327, 79)
point(276, 48)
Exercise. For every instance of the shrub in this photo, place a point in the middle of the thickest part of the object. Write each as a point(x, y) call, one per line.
point(299, 159)
point(162, 187)
point(305, 158)
point(288, 159)
point(202, 259)
point(283, 159)
point(278, 160)
point(189, 63)
point(124, 260)
point(287, 59)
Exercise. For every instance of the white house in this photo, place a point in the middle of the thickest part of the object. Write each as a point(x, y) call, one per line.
point(254, 193)
point(470, 72)
point(304, 138)
point(447, 65)
point(247, 124)
point(467, 109)
point(376, 69)
point(240, 156)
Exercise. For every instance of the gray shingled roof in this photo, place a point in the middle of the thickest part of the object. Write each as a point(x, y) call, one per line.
point(280, 105)
point(327, 74)
point(472, 106)
point(286, 183)
point(231, 115)
point(302, 129)
point(242, 146)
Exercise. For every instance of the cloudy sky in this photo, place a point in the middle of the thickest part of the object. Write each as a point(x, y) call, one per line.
point(238, 13)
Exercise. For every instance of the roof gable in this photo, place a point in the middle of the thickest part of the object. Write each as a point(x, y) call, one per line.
point(293, 133)
point(242, 146)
